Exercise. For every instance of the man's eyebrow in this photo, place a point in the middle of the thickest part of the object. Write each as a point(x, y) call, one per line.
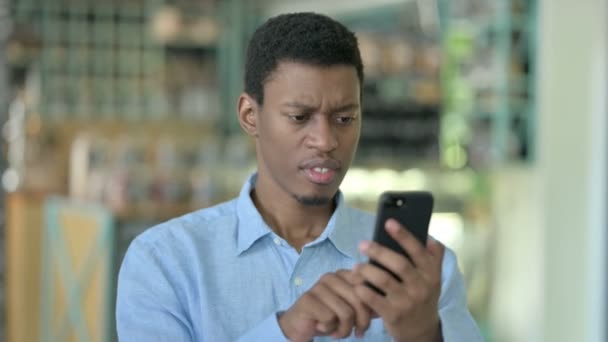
point(298, 105)
point(343, 108)
point(346, 108)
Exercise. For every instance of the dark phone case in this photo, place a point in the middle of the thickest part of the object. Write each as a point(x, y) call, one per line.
point(414, 214)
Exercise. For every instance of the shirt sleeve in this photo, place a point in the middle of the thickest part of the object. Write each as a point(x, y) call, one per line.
point(147, 306)
point(267, 330)
point(457, 324)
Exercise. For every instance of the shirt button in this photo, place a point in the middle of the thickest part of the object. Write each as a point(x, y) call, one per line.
point(297, 281)
point(277, 241)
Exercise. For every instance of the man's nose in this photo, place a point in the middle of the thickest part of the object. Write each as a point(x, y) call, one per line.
point(322, 135)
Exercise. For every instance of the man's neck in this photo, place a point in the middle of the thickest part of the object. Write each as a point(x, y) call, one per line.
point(295, 222)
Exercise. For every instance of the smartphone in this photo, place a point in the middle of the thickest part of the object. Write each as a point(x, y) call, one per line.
point(412, 209)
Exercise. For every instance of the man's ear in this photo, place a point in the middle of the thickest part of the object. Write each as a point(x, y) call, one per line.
point(247, 111)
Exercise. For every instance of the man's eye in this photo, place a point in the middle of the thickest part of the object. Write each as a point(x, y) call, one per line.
point(345, 119)
point(298, 117)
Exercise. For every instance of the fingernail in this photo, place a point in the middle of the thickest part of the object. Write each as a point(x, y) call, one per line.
point(364, 246)
point(392, 226)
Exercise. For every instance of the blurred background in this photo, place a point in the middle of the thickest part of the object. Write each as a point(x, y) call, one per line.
point(118, 115)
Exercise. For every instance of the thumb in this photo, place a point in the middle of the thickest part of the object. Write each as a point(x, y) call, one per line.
point(435, 247)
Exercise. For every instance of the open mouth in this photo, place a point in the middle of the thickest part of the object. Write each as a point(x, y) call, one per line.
point(321, 175)
point(321, 171)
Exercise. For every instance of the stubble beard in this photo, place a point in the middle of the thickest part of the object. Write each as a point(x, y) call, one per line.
point(313, 201)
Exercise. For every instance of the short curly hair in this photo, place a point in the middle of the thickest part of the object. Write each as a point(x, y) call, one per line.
point(308, 38)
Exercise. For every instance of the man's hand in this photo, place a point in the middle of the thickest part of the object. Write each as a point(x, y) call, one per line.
point(410, 308)
point(330, 307)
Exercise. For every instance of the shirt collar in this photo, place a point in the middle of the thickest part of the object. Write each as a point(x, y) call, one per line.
point(340, 229)
point(251, 225)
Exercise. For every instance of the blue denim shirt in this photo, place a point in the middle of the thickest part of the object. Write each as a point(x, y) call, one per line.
point(221, 274)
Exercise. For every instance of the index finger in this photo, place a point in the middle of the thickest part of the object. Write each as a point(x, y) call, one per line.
point(416, 251)
point(362, 312)
point(351, 277)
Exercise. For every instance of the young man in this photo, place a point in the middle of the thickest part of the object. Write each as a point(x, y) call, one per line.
point(286, 260)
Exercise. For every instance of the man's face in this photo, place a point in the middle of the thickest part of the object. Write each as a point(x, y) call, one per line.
point(307, 130)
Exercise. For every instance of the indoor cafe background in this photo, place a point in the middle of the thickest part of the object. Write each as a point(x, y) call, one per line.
point(117, 115)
